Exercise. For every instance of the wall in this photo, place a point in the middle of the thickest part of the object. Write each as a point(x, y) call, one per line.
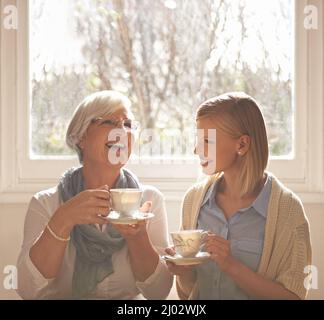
point(11, 227)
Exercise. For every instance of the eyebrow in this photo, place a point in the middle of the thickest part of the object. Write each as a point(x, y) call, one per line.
point(114, 119)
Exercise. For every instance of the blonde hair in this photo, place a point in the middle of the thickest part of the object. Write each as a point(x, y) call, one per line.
point(238, 114)
point(99, 104)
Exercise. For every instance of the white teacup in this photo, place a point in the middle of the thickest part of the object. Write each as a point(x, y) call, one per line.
point(126, 201)
point(187, 243)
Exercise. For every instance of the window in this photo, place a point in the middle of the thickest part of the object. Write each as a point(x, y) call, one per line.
point(166, 55)
point(38, 81)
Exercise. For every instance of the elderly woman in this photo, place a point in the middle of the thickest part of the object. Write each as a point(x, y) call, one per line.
point(102, 261)
point(259, 238)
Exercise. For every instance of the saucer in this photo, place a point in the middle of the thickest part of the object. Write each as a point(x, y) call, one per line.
point(115, 218)
point(181, 261)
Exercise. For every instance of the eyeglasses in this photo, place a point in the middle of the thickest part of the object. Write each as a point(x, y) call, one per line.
point(127, 124)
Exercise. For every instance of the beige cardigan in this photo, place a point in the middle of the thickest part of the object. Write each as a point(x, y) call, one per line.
point(287, 247)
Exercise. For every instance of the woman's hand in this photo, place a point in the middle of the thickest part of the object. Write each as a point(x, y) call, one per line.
point(220, 250)
point(133, 230)
point(184, 272)
point(87, 207)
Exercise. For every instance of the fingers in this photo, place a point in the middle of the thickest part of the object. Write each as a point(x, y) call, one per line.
point(103, 214)
point(173, 268)
point(142, 223)
point(146, 207)
point(170, 251)
point(102, 211)
point(101, 203)
point(126, 227)
point(99, 220)
point(104, 187)
point(177, 270)
point(214, 237)
point(217, 246)
point(129, 230)
point(215, 251)
point(213, 245)
point(100, 194)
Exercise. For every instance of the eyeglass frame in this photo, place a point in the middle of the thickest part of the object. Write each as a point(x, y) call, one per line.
point(116, 123)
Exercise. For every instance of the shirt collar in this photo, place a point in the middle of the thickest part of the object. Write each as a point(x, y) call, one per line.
point(260, 204)
point(210, 194)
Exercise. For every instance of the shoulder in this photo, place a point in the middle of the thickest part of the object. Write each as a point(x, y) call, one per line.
point(47, 195)
point(48, 200)
point(152, 193)
point(289, 203)
point(156, 197)
point(286, 195)
point(198, 188)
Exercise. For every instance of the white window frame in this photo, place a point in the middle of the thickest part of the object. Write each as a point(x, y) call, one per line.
point(21, 176)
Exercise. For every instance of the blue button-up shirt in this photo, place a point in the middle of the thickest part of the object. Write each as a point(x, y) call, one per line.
point(245, 231)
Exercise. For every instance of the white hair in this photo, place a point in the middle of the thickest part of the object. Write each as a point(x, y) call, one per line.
point(96, 105)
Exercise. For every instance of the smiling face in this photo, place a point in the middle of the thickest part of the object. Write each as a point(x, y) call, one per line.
point(217, 152)
point(241, 149)
point(107, 144)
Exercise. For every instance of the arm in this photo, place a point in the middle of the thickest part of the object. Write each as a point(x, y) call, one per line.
point(252, 283)
point(257, 286)
point(185, 276)
point(151, 273)
point(50, 264)
point(82, 209)
point(30, 280)
point(144, 260)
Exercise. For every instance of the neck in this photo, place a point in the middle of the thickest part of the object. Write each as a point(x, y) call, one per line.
point(96, 176)
point(231, 186)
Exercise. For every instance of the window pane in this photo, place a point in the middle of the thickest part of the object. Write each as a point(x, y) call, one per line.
point(167, 56)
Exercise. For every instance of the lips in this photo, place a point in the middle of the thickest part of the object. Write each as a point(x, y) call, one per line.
point(115, 145)
point(204, 162)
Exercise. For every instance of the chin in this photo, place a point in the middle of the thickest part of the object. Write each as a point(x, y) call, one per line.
point(115, 164)
point(114, 159)
point(210, 170)
point(115, 167)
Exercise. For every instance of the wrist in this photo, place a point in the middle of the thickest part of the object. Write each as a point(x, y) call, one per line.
point(141, 238)
point(60, 224)
point(188, 276)
point(232, 267)
point(186, 280)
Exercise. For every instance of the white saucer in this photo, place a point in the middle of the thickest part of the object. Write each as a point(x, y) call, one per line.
point(181, 261)
point(114, 217)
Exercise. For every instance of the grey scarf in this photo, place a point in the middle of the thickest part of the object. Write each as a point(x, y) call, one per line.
point(94, 249)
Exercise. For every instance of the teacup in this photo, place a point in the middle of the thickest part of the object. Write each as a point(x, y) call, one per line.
point(126, 201)
point(187, 243)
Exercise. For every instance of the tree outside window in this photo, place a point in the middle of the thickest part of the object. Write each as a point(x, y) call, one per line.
point(166, 56)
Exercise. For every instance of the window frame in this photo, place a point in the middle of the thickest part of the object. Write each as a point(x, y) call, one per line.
point(22, 176)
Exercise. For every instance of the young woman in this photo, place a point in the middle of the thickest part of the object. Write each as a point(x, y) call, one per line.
point(102, 261)
point(258, 233)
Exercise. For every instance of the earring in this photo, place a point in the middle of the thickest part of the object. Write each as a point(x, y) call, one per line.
point(239, 153)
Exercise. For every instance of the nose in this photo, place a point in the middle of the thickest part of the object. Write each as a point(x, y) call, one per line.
point(121, 128)
point(120, 125)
